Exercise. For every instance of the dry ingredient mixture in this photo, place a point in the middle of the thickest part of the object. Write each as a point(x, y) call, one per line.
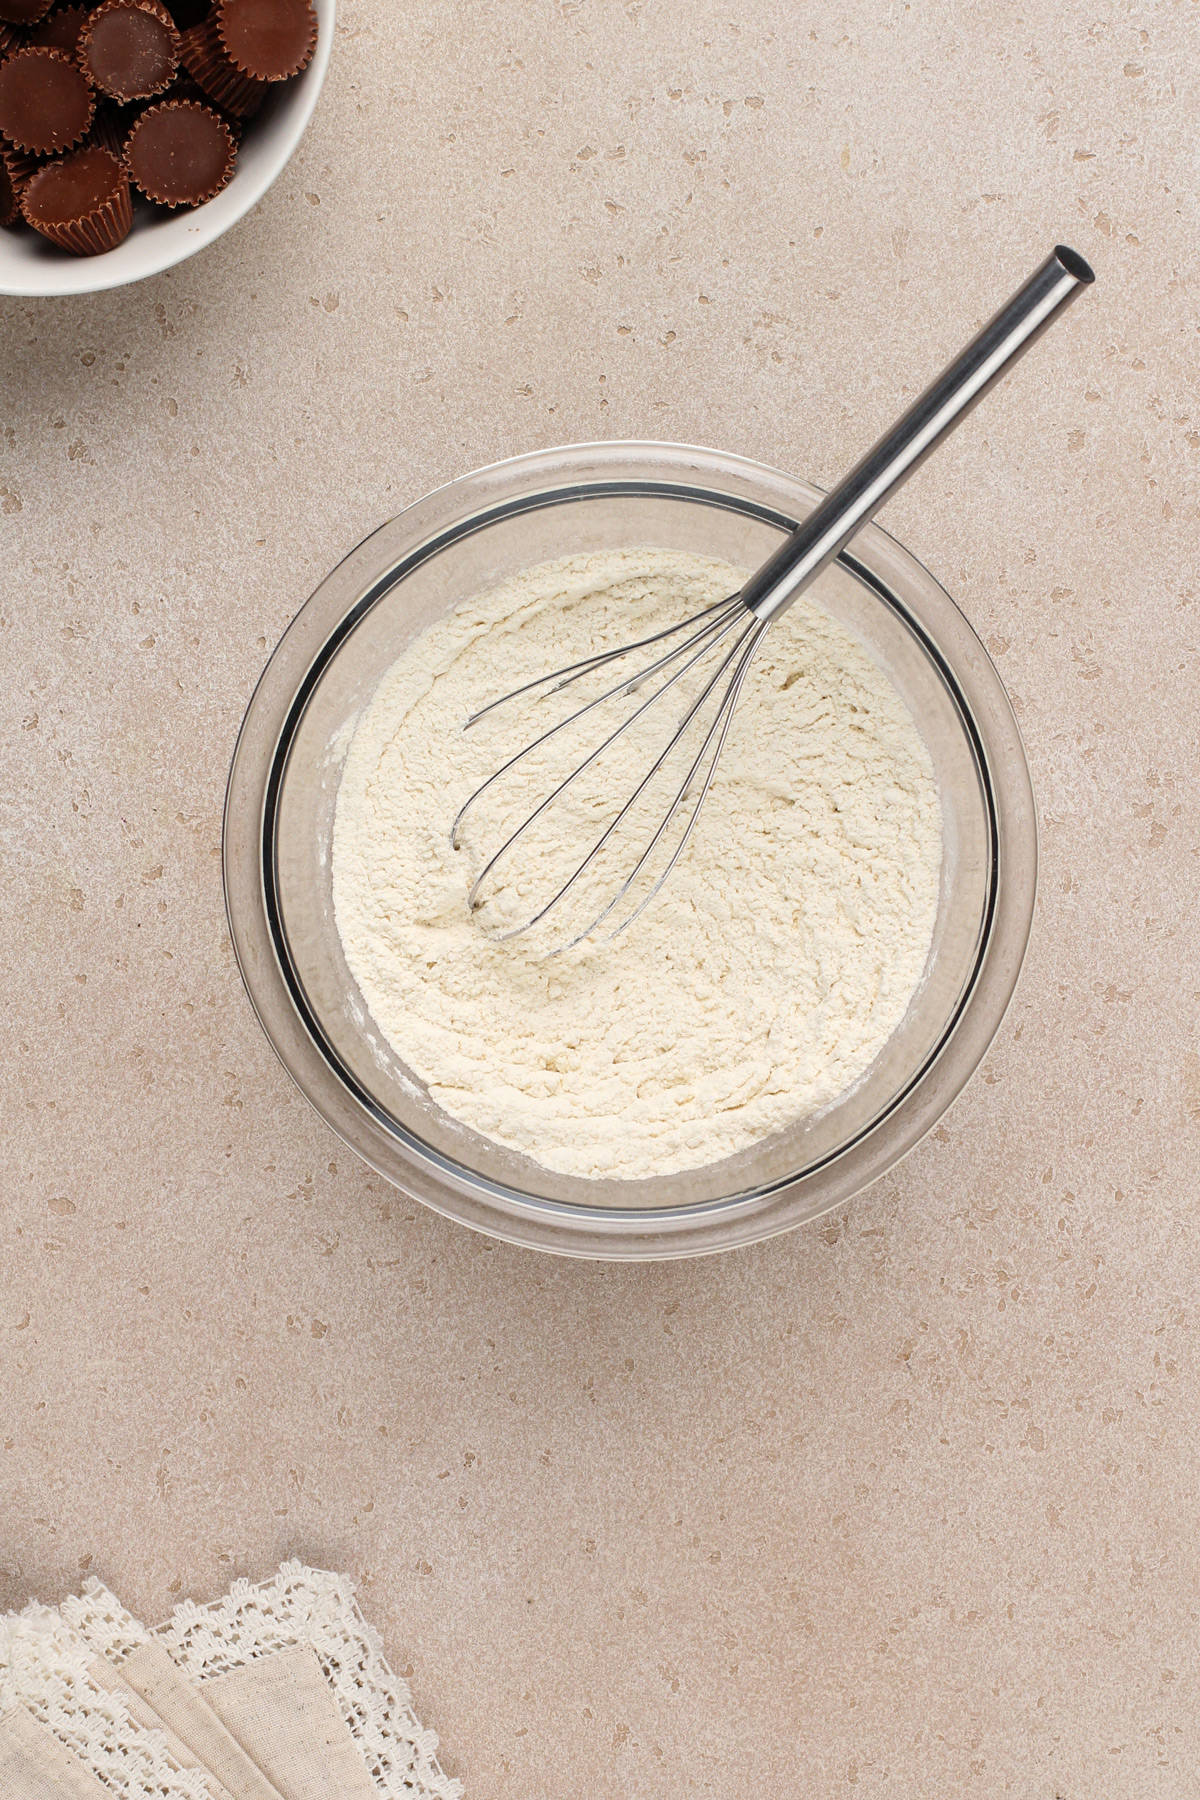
point(762, 981)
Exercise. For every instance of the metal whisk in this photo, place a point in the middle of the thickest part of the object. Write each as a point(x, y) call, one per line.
point(716, 646)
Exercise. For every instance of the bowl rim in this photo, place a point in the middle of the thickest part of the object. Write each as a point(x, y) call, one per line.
point(89, 275)
point(618, 1234)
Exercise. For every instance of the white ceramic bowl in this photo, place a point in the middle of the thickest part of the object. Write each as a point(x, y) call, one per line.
point(30, 265)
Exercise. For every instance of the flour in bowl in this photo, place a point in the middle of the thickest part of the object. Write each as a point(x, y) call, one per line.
point(762, 981)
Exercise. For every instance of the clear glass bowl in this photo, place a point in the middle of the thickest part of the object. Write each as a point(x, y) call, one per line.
point(283, 788)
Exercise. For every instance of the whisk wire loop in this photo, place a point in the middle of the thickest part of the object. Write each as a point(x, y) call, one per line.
point(723, 625)
point(716, 616)
point(587, 665)
point(718, 729)
point(751, 629)
point(799, 559)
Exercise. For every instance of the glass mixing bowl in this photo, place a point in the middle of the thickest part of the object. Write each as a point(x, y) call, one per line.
point(283, 788)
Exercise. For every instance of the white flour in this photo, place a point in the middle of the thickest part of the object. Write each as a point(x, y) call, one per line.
point(758, 986)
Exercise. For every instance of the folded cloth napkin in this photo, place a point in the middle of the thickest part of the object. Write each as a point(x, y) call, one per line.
point(34, 1765)
point(278, 1691)
point(158, 1692)
point(46, 1678)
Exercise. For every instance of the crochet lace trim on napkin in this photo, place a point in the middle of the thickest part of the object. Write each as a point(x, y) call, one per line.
point(98, 1616)
point(317, 1608)
point(44, 1666)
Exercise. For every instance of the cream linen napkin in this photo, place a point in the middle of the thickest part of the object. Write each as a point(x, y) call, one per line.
point(46, 1682)
point(292, 1671)
point(271, 1728)
point(35, 1766)
point(159, 1693)
point(282, 1710)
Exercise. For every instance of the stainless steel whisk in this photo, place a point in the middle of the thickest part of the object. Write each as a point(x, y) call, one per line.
point(727, 635)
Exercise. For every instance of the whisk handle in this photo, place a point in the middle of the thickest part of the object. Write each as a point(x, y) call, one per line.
point(928, 420)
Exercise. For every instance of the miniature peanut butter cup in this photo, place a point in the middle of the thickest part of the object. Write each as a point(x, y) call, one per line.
point(20, 164)
point(9, 206)
point(206, 62)
point(130, 48)
point(269, 40)
point(110, 128)
point(186, 87)
point(180, 153)
point(80, 202)
point(45, 101)
point(24, 12)
point(60, 30)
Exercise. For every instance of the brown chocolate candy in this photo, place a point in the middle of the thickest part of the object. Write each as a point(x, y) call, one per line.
point(206, 62)
point(20, 164)
point(45, 100)
point(24, 12)
point(130, 48)
point(110, 128)
point(9, 207)
point(269, 40)
point(8, 39)
point(180, 153)
point(186, 87)
point(60, 30)
point(80, 202)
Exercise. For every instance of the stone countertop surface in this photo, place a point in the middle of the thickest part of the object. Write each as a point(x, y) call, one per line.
point(907, 1502)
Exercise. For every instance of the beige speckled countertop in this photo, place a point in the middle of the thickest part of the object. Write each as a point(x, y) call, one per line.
point(907, 1503)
